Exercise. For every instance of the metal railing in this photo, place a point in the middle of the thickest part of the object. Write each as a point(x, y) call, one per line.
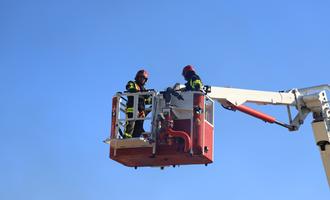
point(121, 111)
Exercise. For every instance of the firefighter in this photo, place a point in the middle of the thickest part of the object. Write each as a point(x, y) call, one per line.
point(135, 128)
point(194, 83)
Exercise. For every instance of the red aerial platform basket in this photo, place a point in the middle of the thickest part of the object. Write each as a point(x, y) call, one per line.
point(181, 131)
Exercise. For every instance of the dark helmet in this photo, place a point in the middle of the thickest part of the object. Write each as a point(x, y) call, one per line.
point(142, 73)
point(187, 69)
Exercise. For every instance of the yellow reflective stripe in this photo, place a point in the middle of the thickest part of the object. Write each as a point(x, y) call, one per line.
point(131, 86)
point(148, 100)
point(137, 87)
point(191, 83)
point(127, 135)
point(198, 82)
point(129, 110)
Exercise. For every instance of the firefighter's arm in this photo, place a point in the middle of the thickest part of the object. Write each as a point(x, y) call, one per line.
point(130, 87)
point(184, 89)
point(198, 85)
point(148, 100)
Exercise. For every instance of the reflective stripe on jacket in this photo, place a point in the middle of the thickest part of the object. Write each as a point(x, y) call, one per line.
point(133, 87)
point(194, 84)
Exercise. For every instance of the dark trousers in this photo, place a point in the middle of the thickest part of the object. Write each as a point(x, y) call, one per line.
point(134, 128)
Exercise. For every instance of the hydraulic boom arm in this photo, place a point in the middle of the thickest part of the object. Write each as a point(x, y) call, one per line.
point(306, 100)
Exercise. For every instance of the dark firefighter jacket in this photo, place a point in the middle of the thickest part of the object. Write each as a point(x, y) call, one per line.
point(194, 83)
point(133, 87)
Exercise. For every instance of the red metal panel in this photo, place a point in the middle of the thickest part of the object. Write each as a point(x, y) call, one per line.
point(166, 155)
point(198, 124)
point(208, 143)
point(113, 117)
point(113, 122)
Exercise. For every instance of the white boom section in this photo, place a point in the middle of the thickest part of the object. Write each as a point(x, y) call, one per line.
point(306, 100)
point(241, 96)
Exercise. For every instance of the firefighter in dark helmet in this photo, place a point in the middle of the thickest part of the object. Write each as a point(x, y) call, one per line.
point(135, 128)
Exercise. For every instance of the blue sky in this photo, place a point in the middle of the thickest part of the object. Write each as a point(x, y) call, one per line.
point(61, 62)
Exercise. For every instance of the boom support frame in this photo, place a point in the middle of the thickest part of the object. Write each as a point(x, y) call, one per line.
point(306, 100)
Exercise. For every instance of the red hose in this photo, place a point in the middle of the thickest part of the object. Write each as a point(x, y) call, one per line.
point(183, 135)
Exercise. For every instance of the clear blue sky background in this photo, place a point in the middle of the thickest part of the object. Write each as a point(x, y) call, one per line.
point(61, 62)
